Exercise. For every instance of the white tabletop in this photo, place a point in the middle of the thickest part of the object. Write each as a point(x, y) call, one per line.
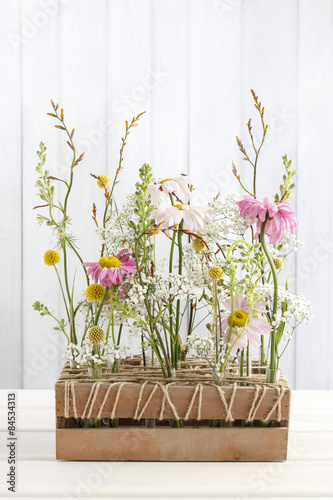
point(308, 473)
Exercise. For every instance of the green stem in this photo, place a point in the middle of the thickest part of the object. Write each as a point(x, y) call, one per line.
point(232, 278)
point(62, 292)
point(70, 244)
point(71, 310)
point(257, 152)
point(166, 373)
point(273, 353)
point(248, 361)
point(262, 354)
point(246, 190)
point(72, 168)
point(170, 306)
point(100, 306)
point(152, 325)
point(60, 325)
point(180, 271)
point(224, 365)
point(241, 368)
point(108, 202)
point(72, 323)
point(215, 321)
point(285, 347)
point(71, 178)
point(165, 354)
point(80, 259)
point(108, 328)
point(119, 334)
point(112, 325)
point(115, 367)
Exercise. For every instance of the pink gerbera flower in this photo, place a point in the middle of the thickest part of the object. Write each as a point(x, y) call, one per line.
point(159, 191)
point(194, 219)
point(257, 324)
point(112, 270)
point(281, 217)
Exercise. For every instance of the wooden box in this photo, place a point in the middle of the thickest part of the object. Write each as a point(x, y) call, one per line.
point(253, 416)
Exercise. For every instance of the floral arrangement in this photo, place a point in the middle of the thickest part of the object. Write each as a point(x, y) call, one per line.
point(216, 294)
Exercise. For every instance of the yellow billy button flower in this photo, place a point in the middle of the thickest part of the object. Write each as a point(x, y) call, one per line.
point(198, 245)
point(51, 257)
point(95, 293)
point(278, 263)
point(96, 334)
point(109, 262)
point(215, 272)
point(103, 181)
point(240, 318)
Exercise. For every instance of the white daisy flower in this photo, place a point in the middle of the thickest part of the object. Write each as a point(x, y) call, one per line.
point(159, 191)
point(194, 218)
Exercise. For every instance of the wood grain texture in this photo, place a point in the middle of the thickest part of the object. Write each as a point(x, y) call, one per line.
point(302, 445)
point(212, 406)
point(45, 399)
point(173, 445)
point(303, 420)
point(193, 443)
point(134, 480)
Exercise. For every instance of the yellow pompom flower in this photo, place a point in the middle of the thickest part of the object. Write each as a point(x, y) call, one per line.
point(51, 257)
point(95, 293)
point(96, 334)
point(278, 263)
point(215, 272)
point(198, 245)
point(103, 181)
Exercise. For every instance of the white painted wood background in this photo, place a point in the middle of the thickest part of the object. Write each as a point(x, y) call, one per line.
point(190, 64)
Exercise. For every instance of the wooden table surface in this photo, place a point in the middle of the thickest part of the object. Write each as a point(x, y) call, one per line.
point(308, 473)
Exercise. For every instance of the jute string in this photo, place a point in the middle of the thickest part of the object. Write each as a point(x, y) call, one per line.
point(197, 375)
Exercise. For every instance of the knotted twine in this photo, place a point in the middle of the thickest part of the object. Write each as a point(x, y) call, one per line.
point(197, 374)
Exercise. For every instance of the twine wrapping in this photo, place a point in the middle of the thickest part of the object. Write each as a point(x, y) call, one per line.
point(191, 373)
point(228, 407)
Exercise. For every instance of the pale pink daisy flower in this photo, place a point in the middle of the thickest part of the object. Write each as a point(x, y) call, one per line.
point(194, 218)
point(257, 323)
point(160, 191)
point(282, 218)
point(112, 270)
